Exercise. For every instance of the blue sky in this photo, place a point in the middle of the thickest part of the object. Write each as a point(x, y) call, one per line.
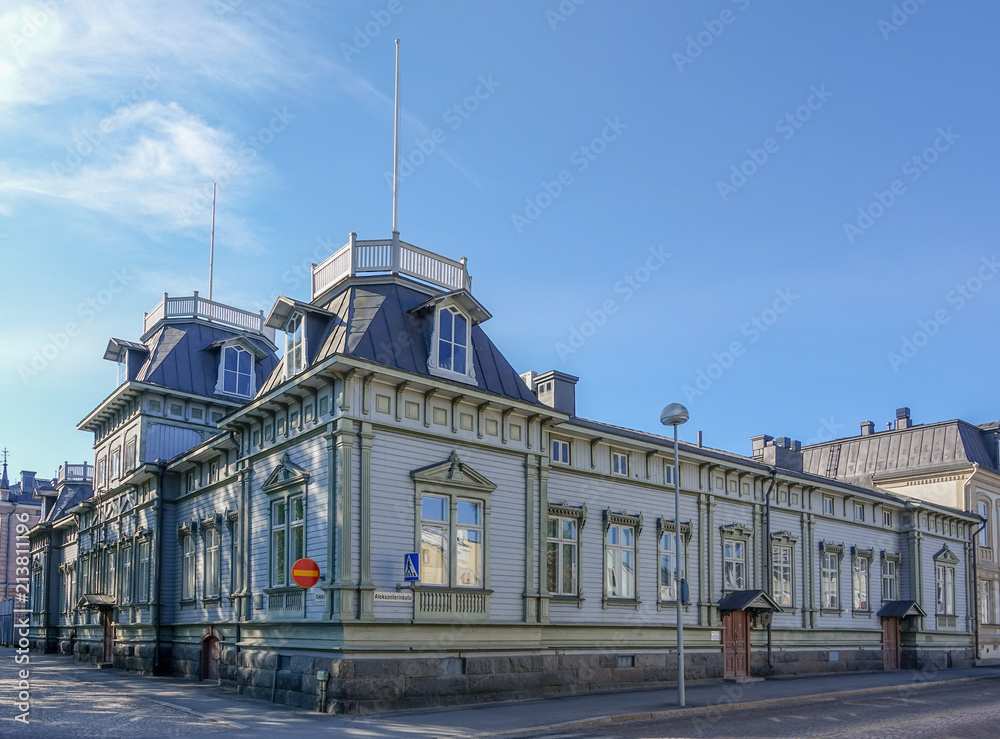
point(784, 217)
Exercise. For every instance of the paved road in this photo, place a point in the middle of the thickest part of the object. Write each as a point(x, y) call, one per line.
point(960, 710)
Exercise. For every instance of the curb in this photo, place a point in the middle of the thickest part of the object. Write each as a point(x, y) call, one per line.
point(698, 710)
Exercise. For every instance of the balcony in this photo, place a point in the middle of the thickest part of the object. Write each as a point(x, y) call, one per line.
point(207, 310)
point(75, 472)
point(389, 256)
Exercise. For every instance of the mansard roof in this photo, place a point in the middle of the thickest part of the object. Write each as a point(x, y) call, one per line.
point(895, 453)
point(183, 356)
point(376, 321)
point(69, 496)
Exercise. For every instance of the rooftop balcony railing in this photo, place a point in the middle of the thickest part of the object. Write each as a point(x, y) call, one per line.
point(207, 310)
point(75, 472)
point(389, 256)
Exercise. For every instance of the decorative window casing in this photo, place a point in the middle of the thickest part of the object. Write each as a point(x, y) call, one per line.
point(451, 353)
point(236, 371)
point(945, 566)
point(286, 489)
point(102, 473)
point(735, 542)
point(830, 556)
point(452, 509)
point(890, 576)
point(861, 580)
point(295, 344)
point(667, 554)
point(621, 555)
point(563, 552)
point(116, 463)
point(783, 569)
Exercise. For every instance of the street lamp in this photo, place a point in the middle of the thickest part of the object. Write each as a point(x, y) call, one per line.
point(674, 415)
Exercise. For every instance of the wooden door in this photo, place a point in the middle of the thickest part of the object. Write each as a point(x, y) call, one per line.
point(109, 636)
point(736, 644)
point(211, 652)
point(890, 643)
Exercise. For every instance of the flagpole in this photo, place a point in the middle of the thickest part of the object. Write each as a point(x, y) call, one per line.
point(395, 154)
point(211, 248)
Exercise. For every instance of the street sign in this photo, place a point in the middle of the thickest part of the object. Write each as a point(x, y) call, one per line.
point(411, 567)
point(305, 573)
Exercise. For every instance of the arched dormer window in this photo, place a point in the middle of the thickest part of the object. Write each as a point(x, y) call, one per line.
point(237, 371)
point(453, 341)
point(295, 344)
point(122, 367)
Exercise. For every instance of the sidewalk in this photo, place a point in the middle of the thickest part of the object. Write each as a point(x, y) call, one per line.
point(237, 714)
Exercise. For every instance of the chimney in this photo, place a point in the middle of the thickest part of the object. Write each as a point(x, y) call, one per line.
point(556, 389)
point(867, 428)
point(783, 452)
point(27, 482)
point(759, 442)
point(903, 418)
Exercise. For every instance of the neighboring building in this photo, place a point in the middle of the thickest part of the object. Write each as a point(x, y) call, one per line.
point(546, 542)
point(950, 463)
point(16, 501)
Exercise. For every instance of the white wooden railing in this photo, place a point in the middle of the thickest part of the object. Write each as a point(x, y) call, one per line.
point(389, 256)
point(69, 471)
point(197, 307)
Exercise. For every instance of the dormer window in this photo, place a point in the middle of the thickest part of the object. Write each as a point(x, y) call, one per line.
point(295, 345)
point(237, 371)
point(453, 341)
point(122, 367)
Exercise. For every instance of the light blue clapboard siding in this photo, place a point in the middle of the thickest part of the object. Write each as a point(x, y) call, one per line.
point(169, 567)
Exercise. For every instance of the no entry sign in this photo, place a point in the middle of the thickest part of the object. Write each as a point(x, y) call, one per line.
point(305, 573)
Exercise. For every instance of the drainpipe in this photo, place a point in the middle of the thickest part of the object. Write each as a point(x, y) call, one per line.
point(975, 555)
point(768, 560)
point(161, 467)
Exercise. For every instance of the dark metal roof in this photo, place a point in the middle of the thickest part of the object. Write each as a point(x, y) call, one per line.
point(376, 322)
point(924, 448)
point(742, 600)
point(95, 600)
point(901, 609)
point(69, 496)
point(185, 357)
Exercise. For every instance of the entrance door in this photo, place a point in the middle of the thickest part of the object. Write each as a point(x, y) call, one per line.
point(736, 644)
point(109, 635)
point(211, 652)
point(890, 643)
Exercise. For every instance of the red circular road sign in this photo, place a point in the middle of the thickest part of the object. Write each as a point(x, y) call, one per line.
point(305, 573)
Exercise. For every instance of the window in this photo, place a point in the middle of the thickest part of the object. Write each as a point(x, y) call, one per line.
point(830, 577)
point(116, 463)
point(102, 472)
point(69, 589)
point(734, 565)
point(668, 473)
point(112, 586)
point(619, 554)
point(287, 538)
point(437, 534)
point(122, 367)
point(192, 481)
point(945, 576)
point(860, 580)
point(984, 539)
point(619, 462)
point(668, 557)
point(237, 371)
point(213, 542)
point(887, 519)
point(560, 451)
point(890, 586)
point(859, 511)
point(563, 554)
point(213, 471)
point(984, 603)
point(130, 455)
point(781, 575)
point(453, 341)
point(126, 590)
point(827, 505)
point(189, 568)
point(295, 345)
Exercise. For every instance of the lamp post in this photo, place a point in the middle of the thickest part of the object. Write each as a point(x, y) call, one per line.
point(674, 415)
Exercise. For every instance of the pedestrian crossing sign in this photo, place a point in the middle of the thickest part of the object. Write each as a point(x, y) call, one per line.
point(411, 567)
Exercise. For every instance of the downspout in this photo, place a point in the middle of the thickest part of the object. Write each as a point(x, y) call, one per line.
point(975, 556)
point(161, 467)
point(768, 561)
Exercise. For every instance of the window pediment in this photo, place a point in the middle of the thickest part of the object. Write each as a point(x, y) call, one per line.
point(623, 519)
point(453, 472)
point(783, 538)
point(287, 474)
point(946, 556)
point(736, 531)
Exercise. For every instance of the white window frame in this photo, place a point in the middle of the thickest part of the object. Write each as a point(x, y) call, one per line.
point(783, 573)
point(213, 563)
point(122, 367)
point(557, 545)
point(984, 532)
point(861, 581)
point(189, 566)
point(560, 450)
point(619, 530)
point(457, 573)
point(890, 576)
point(831, 509)
point(859, 511)
point(619, 462)
point(830, 577)
point(224, 373)
point(887, 518)
point(735, 539)
point(126, 578)
point(463, 374)
point(289, 527)
point(296, 323)
point(666, 534)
